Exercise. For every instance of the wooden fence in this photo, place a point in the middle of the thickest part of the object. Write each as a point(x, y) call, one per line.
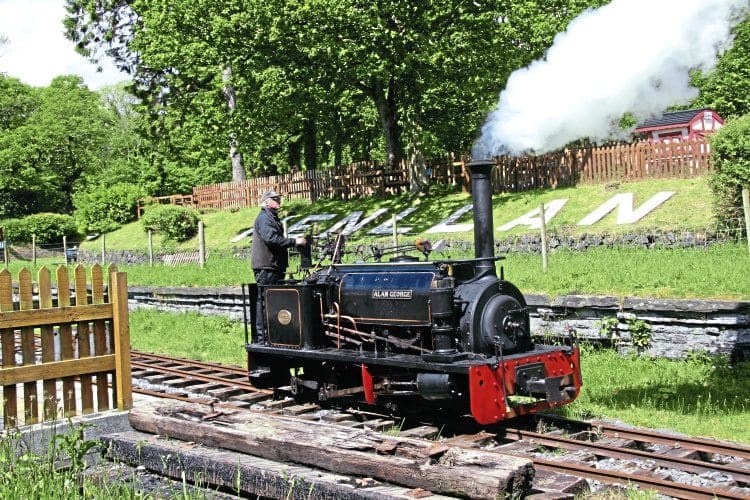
point(589, 165)
point(61, 353)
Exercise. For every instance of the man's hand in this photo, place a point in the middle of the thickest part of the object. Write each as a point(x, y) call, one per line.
point(300, 241)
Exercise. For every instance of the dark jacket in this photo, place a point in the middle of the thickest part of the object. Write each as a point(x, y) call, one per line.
point(269, 246)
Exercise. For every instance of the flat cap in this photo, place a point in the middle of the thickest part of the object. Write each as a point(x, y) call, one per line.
point(269, 194)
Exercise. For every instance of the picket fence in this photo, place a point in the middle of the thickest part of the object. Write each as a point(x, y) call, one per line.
point(63, 354)
point(570, 167)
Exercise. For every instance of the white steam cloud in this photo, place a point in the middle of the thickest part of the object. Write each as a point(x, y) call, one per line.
point(628, 56)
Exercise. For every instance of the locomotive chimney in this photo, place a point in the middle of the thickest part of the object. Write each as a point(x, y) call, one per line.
point(484, 240)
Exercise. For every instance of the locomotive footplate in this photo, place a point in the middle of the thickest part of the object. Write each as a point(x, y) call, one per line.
point(405, 361)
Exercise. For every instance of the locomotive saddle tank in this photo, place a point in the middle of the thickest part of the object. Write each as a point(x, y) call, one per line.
point(444, 334)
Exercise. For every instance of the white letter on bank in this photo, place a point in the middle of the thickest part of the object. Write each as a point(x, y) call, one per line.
point(449, 225)
point(531, 219)
point(625, 212)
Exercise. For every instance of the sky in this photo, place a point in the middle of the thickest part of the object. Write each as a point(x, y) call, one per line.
point(37, 50)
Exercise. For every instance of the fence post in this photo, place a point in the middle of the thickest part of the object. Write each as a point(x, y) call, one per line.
point(104, 247)
point(65, 250)
point(746, 208)
point(201, 244)
point(150, 249)
point(395, 230)
point(121, 329)
point(544, 237)
point(4, 246)
point(33, 249)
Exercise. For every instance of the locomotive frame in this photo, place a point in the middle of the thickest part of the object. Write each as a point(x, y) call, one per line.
point(442, 334)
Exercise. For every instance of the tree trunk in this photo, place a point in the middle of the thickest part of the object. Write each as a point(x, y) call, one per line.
point(385, 101)
point(309, 136)
point(295, 154)
point(235, 156)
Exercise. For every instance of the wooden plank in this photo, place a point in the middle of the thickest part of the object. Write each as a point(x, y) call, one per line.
point(48, 345)
point(121, 327)
point(84, 341)
point(66, 342)
point(8, 341)
point(100, 338)
point(111, 271)
point(56, 316)
point(250, 477)
point(361, 452)
point(28, 350)
point(67, 368)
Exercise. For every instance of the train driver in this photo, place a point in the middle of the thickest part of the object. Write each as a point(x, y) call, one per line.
point(269, 251)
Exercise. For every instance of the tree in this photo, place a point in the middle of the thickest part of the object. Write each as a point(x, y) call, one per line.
point(727, 88)
point(731, 153)
point(319, 71)
point(49, 138)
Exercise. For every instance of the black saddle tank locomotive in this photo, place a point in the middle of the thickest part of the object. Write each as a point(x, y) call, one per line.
point(444, 334)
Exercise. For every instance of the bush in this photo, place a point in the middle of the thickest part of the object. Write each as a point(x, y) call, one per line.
point(107, 209)
point(731, 153)
point(48, 228)
point(172, 221)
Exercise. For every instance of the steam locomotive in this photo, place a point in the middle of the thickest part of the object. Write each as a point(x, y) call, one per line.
point(432, 334)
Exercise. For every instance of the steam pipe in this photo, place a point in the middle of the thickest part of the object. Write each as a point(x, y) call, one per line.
point(484, 240)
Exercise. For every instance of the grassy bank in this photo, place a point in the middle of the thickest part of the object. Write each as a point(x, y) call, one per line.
point(688, 209)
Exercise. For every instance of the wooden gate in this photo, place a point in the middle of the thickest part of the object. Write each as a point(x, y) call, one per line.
point(63, 353)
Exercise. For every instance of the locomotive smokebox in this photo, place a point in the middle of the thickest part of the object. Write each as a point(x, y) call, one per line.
point(484, 240)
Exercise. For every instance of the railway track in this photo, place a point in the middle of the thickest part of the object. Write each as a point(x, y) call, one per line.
point(605, 455)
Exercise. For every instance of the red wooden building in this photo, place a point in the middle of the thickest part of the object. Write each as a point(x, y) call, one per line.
point(679, 125)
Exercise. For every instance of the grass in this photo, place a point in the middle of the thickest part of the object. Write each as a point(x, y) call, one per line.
point(188, 335)
point(716, 272)
point(61, 471)
point(699, 396)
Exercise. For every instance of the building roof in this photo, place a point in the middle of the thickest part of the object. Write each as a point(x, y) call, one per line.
point(670, 120)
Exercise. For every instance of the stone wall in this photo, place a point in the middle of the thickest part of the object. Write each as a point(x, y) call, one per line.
point(676, 327)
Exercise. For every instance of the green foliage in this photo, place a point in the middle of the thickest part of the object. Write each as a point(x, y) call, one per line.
point(731, 151)
point(727, 88)
point(61, 472)
point(52, 141)
point(370, 80)
point(107, 208)
point(48, 228)
point(173, 222)
point(640, 333)
point(17, 101)
point(608, 328)
point(74, 447)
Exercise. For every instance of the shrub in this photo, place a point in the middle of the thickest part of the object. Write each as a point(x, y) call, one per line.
point(731, 153)
point(48, 228)
point(172, 221)
point(106, 209)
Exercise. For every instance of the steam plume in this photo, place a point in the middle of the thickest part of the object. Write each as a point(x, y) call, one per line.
point(628, 56)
